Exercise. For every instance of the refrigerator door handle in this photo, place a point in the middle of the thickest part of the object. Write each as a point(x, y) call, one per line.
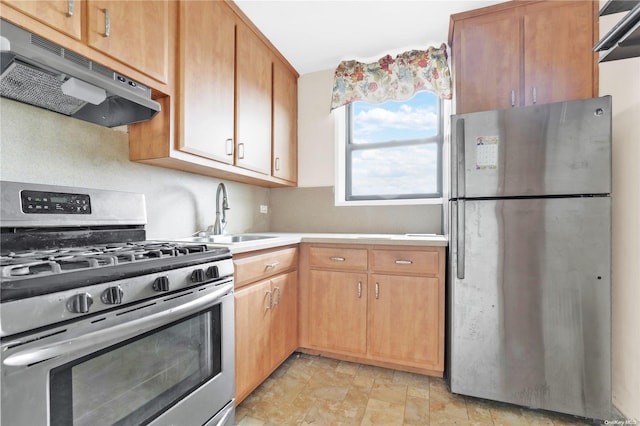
point(461, 161)
point(459, 215)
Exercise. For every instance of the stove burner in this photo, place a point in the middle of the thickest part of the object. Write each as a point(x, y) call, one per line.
point(28, 263)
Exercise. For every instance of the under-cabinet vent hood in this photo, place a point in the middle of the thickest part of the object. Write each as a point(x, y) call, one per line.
point(623, 41)
point(38, 72)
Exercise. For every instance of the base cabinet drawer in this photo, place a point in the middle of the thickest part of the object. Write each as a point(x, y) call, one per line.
point(253, 267)
point(405, 261)
point(338, 258)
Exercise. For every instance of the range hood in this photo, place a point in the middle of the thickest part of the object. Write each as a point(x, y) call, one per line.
point(623, 41)
point(38, 72)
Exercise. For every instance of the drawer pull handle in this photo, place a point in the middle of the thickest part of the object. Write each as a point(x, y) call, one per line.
point(359, 289)
point(377, 290)
point(279, 296)
point(270, 300)
point(404, 262)
point(70, 8)
point(229, 146)
point(271, 265)
point(338, 259)
point(107, 23)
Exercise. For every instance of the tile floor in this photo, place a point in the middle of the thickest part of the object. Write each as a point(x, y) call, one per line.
point(310, 390)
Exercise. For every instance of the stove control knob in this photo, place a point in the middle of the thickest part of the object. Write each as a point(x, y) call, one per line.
point(112, 295)
point(197, 276)
point(161, 284)
point(80, 303)
point(213, 272)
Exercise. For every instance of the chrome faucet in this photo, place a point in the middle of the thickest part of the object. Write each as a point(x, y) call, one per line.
point(221, 222)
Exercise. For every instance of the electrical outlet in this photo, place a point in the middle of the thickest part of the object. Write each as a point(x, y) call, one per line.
point(264, 209)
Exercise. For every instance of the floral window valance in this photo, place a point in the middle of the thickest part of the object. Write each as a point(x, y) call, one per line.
point(393, 79)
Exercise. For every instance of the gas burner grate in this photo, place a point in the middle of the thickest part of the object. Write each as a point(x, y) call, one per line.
point(29, 263)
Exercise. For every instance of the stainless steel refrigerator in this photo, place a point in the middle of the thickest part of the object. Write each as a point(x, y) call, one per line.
point(529, 288)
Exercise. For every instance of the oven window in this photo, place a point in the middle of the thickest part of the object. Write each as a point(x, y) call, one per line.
point(135, 381)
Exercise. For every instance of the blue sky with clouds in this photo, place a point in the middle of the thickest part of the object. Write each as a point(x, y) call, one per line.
point(398, 170)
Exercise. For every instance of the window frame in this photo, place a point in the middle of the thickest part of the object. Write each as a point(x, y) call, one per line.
point(345, 149)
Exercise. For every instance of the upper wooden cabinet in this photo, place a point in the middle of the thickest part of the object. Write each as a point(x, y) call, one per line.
point(235, 113)
point(253, 102)
point(207, 80)
point(285, 122)
point(134, 32)
point(62, 15)
point(522, 53)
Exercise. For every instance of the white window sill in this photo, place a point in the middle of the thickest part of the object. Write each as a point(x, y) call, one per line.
point(403, 202)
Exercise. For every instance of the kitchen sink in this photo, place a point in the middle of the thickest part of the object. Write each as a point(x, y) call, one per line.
point(228, 239)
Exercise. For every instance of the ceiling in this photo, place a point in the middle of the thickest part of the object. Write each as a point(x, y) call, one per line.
point(316, 35)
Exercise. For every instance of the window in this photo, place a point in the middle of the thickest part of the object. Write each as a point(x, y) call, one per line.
point(393, 150)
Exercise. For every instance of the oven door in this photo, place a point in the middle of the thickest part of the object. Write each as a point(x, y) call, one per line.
point(162, 362)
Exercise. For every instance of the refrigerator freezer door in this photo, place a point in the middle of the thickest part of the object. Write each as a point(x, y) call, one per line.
point(562, 148)
point(531, 319)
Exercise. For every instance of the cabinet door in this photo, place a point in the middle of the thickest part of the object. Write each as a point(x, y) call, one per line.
point(404, 320)
point(284, 317)
point(207, 55)
point(338, 311)
point(252, 314)
point(487, 62)
point(134, 32)
point(253, 102)
point(63, 15)
point(558, 60)
point(285, 107)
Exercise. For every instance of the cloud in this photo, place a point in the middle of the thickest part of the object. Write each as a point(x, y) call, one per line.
point(377, 124)
point(399, 170)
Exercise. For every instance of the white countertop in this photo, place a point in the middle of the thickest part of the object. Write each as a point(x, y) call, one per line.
point(283, 239)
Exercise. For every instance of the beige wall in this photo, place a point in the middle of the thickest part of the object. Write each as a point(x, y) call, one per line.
point(316, 131)
point(621, 80)
point(43, 147)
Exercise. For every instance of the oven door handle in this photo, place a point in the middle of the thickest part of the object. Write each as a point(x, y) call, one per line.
point(116, 333)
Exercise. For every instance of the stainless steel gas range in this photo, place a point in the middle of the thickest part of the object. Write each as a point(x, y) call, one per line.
point(99, 326)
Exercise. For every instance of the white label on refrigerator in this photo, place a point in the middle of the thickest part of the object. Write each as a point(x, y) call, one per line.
point(486, 152)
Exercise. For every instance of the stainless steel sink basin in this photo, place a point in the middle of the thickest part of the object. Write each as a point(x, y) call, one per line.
point(228, 239)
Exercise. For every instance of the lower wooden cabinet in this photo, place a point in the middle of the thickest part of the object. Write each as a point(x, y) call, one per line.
point(266, 318)
point(404, 320)
point(338, 310)
point(376, 305)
